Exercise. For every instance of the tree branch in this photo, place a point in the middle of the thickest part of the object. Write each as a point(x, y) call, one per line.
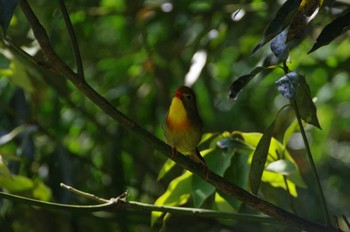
point(220, 183)
point(73, 39)
point(312, 164)
point(121, 203)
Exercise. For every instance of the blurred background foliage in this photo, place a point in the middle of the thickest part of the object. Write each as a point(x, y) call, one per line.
point(136, 53)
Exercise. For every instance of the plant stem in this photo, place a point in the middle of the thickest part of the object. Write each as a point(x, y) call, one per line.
point(57, 206)
point(118, 203)
point(309, 155)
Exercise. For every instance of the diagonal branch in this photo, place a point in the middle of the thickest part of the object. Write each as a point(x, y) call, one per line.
point(219, 182)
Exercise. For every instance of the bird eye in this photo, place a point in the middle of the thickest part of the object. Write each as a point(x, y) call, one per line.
point(189, 97)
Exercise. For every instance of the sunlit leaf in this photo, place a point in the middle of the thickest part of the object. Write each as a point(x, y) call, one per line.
point(207, 136)
point(167, 166)
point(306, 106)
point(288, 85)
point(284, 167)
point(222, 204)
point(289, 132)
point(237, 173)
point(276, 151)
point(177, 193)
point(41, 191)
point(277, 181)
point(16, 183)
point(336, 28)
point(166, 218)
point(259, 159)
point(20, 77)
point(282, 19)
point(234, 144)
point(6, 11)
point(4, 171)
point(217, 162)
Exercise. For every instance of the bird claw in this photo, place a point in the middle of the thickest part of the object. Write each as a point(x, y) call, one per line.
point(173, 152)
point(206, 172)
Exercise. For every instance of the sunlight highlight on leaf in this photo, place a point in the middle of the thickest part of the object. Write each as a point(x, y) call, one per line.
point(167, 166)
point(177, 193)
point(276, 151)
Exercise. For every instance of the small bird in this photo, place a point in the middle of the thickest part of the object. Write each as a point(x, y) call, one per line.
point(182, 125)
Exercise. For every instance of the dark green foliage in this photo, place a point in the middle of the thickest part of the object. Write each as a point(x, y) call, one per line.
point(259, 159)
point(135, 53)
point(6, 11)
point(333, 30)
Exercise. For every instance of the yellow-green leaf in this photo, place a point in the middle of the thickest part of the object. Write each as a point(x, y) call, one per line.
point(277, 151)
point(167, 166)
point(178, 193)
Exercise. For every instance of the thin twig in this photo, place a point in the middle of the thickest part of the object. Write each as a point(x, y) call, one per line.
point(120, 203)
point(73, 39)
point(311, 160)
point(172, 209)
point(57, 206)
point(84, 194)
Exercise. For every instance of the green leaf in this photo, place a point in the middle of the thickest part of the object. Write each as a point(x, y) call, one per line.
point(259, 159)
point(284, 167)
point(290, 131)
point(238, 174)
point(20, 76)
point(333, 30)
point(207, 136)
point(6, 11)
point(238, 85)
point(235, 144)
point(41, 191)
point(177, 193)
point(306, 106)
point(276, 151)
point(16, 183)
point(277, 181)
point(167, 166)
point(218, 162)
point(282, 19)
point(4, 171)
point(222, 203)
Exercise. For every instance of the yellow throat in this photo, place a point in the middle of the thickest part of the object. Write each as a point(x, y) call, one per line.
point(177, 116)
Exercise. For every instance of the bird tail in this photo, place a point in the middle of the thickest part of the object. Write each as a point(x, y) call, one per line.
point(196, 155)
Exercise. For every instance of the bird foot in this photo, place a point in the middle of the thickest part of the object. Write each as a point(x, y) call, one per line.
point(173, 152)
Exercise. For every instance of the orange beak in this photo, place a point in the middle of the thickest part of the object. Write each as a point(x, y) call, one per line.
point(178, 94)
